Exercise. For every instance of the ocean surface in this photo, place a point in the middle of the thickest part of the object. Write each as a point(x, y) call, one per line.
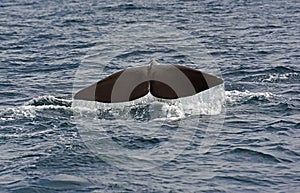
point(243, 136)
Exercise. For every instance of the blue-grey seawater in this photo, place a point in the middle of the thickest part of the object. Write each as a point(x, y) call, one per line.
point(46, 47)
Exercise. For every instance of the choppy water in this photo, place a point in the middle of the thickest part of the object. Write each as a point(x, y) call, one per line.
point(246, 138)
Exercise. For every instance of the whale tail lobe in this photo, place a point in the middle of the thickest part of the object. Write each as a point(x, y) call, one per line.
point(162, 81)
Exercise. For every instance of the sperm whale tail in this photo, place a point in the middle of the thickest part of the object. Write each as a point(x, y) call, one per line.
point(162, 81)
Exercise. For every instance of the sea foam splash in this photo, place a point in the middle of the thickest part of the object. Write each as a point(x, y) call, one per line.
point(209, 102)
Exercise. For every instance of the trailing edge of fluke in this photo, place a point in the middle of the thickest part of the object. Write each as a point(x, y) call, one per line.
point(162, 81)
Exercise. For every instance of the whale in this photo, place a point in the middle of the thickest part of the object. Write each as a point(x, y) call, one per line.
point(161, 81)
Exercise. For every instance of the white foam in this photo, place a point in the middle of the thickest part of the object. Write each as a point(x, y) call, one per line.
point(48, 99)
point(30, 108)
point(209, 102)
point(235, 96)
point(276, 77)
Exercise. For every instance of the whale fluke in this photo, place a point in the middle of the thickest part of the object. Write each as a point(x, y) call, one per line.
point(162, 81)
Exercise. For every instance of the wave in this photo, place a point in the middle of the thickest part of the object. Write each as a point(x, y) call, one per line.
point(274, 75)
point(29, 109)
point(49, 100)
point(251, 155)
point(54, 183)
point(281, 77)
point(235, 96)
